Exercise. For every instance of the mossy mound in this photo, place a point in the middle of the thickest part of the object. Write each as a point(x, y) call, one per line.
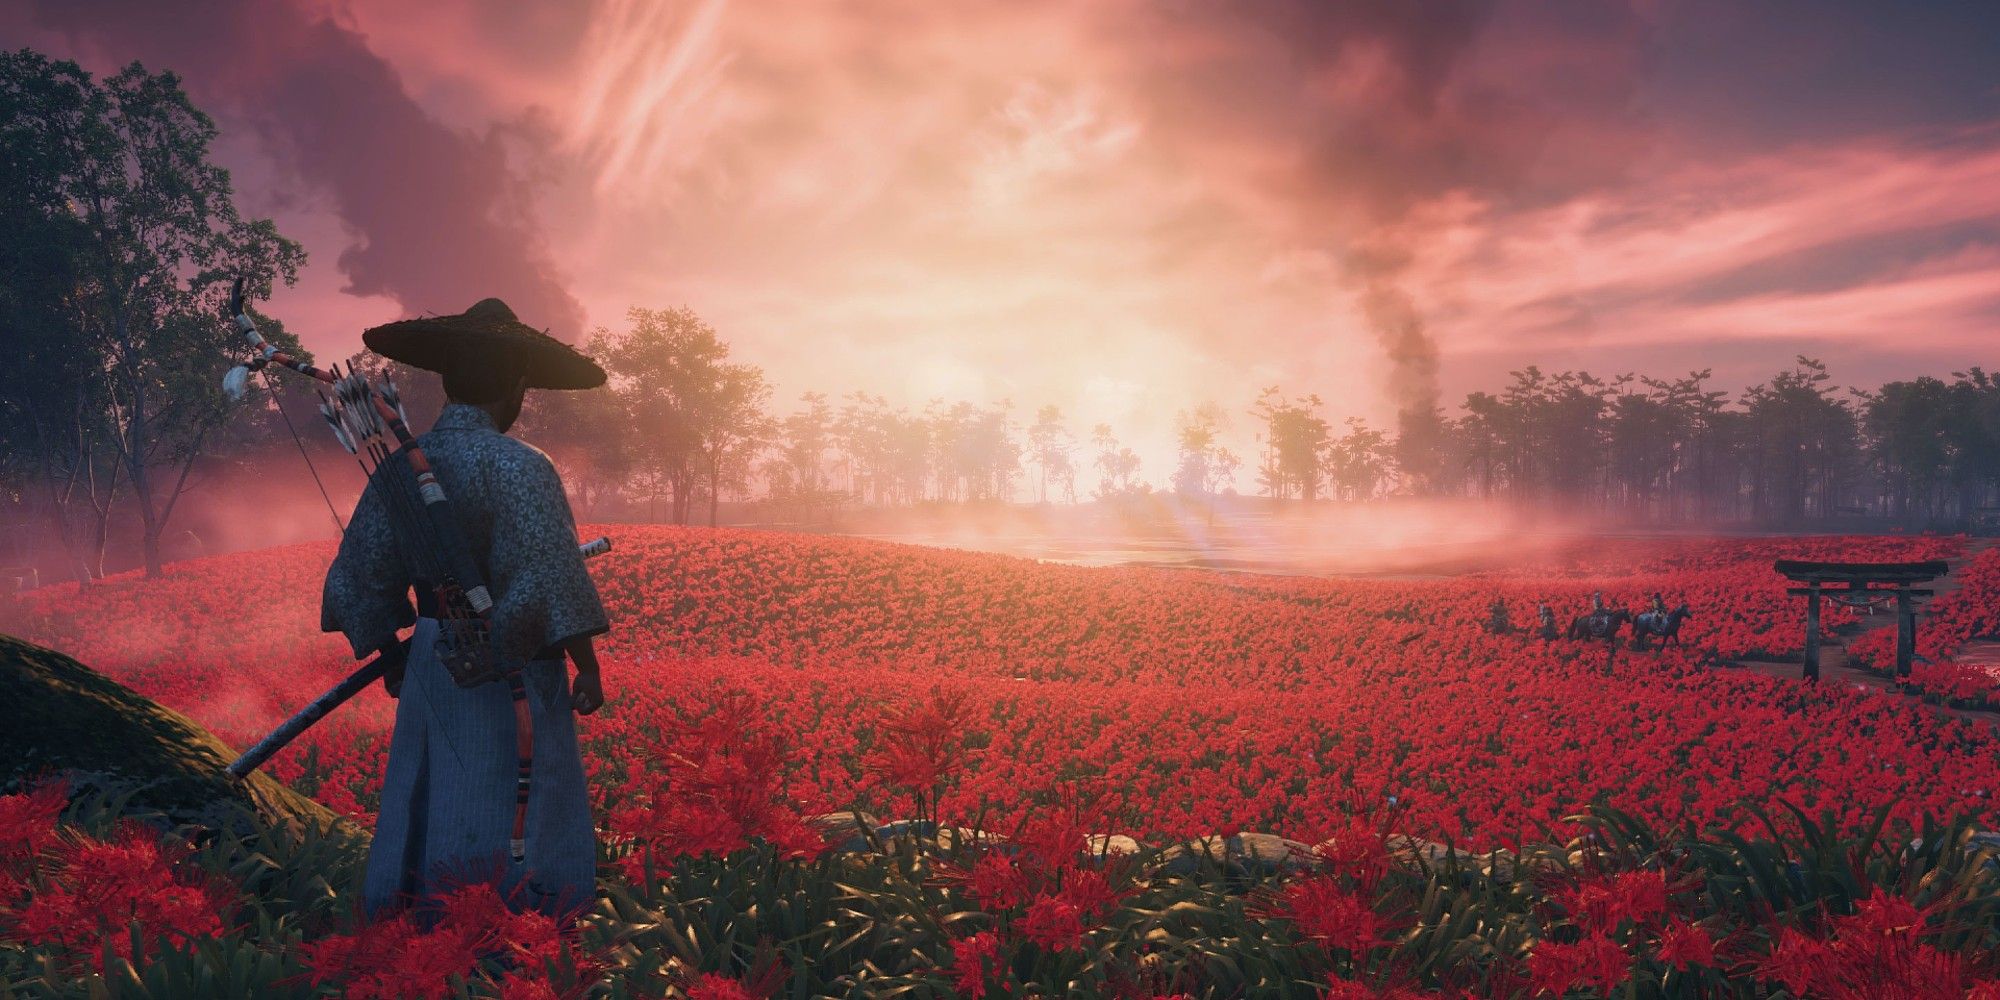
point(60, 719)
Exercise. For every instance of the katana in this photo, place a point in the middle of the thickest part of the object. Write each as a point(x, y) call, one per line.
point(338, 695)
point(422, 516)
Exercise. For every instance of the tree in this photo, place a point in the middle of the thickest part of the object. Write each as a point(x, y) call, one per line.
point(1419, 450)
point(586, 434)
point(1974, 437)
point(1802, 443)
point(152, 241)
point(1360, 461)
point(696, 420)
point(1202, 457)
point(1117, 466)
point(1909, 426)
point(804, 438)
point(1295, 440)
point(52, 442)
point(1643, 433)
point(1480, 433)
point(730, 426)
point(1049, 445)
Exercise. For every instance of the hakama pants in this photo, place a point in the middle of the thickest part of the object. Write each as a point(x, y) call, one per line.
point(448, 795)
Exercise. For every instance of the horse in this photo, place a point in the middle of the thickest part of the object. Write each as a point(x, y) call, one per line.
point(1599, 624)
point(1665, 625)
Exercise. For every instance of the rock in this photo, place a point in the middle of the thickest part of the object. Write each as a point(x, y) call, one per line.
point(931, 836)
point(1272, 853)
point(846, 832)
point(60, 719)
point(1238, 855)
point(1194, 856)
point(1102, 845)
point(1494, 864)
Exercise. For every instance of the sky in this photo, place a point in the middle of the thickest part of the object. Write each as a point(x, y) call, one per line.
point(1123, 207)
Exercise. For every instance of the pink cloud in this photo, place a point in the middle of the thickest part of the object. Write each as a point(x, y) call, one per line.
point(1124, 207)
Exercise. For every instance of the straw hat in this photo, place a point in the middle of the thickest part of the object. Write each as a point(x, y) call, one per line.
point(485, 334)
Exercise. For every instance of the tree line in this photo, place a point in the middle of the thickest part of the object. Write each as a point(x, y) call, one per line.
point(1789, 450)
point(119, 240)
point(681, 423)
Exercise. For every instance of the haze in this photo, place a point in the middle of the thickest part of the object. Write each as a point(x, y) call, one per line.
point(1123, 208)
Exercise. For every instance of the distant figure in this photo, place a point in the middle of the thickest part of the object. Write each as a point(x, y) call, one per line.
point(1665, 624)
point(1597, 602)
point(1659, 604)
point(1600, 623)
point(1497, 621)
point(1545, 622)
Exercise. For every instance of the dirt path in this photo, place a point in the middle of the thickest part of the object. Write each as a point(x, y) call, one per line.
point(1834, 667)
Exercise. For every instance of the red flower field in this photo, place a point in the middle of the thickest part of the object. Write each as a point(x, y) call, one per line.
point(1182, 702)
point(758, 678)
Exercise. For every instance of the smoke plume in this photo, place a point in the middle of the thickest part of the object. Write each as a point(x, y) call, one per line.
point(1397, 107)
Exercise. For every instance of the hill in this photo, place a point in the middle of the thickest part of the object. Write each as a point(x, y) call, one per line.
point(60, 719)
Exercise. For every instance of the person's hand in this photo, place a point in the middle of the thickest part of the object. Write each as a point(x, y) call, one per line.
point(586, 694)
point(395, 656)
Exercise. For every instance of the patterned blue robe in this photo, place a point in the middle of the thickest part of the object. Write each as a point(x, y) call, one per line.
point(448, 795)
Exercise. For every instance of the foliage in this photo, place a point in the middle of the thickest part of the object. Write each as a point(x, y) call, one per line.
point(133, 241)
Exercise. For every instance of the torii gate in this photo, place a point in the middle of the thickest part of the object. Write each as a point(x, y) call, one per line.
point(1897, 579)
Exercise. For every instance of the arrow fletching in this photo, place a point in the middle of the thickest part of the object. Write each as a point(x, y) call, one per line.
point(333, 422)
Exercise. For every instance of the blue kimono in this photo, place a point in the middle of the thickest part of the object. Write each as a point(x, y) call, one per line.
point(448, 797)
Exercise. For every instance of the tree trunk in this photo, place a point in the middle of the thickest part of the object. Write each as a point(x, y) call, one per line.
point(149, 523)
point(714, 487)
point(100, 536)
point(150, 547)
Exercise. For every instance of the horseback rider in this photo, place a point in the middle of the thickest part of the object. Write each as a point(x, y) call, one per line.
point(1597, 603)
point(1545, 621)
point(1659, 605)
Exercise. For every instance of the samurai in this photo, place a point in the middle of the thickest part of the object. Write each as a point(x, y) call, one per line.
point(450, 792)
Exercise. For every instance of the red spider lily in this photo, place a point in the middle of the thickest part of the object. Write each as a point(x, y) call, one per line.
point(1877, 952)
point(974, 960)
point(1593, 960)
point(398, 956)
point(921, 745)
point(1056, 836)
point(1091, 891)
point(1323, 911)
point(1359, 850)
point(1053, 922)
point(766, 974)
point(378, 961)
point(28, 821)
point(1683, 944)
point(713, 789)
point(85, 891)
point(995, 881)
point(709, 986)
point(1796, 961)
point(1348, 989)
point(1603, 903)
point(1518, 732)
